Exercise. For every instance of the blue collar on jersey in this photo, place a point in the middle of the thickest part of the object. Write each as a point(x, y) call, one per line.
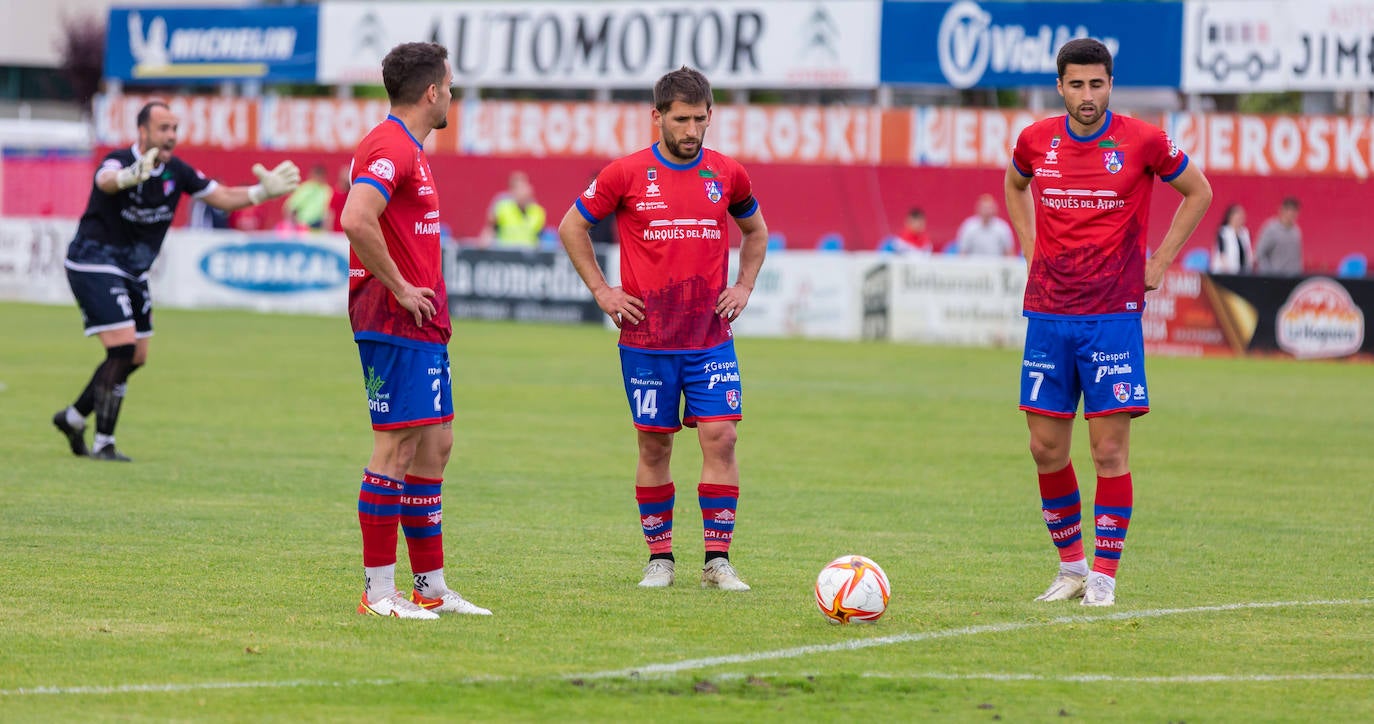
point(679, 166)
point(390, 117)
point(1106, 121)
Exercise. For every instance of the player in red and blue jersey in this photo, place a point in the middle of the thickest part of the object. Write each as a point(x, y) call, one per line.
point(672, 202)
point(399, 311)
point(1093, 172)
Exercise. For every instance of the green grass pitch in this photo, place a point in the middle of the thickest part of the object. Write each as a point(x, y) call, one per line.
point(215, 578)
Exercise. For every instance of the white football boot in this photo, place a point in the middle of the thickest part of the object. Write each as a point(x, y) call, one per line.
point(449, 602)
point(720, 574)
point(659, 573)
point(1064, 587)
point(1100, 591)
point(396, 605)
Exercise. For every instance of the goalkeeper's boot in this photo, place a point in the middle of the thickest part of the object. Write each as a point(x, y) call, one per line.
point(76, 436)
point(111, 454)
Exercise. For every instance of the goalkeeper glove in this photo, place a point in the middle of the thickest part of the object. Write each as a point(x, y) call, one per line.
point(279, 181)
point(138, 171)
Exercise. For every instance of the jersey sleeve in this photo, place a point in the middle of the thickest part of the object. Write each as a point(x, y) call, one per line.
point(742, 201)
point(1165, 159)
point(604, 193)
point(1021, 153)
point(194, 182)
point(381, 166)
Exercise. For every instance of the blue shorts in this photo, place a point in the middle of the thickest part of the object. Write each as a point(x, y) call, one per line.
point(407, 386)
point(112, 301)
point(656, 384)
point(1103, 359)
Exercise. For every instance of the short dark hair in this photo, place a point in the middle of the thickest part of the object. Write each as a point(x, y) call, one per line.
point(1291, 203)
point(1084, 51)
point(684, 84)
point(145, 114)
point(410, 69)
point(916, 212)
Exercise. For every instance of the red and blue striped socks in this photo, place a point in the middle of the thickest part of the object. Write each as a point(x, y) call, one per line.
point(1062, 510)
point(718, 504)
point(1112, 516)
point(656, 517)
point(422, 520)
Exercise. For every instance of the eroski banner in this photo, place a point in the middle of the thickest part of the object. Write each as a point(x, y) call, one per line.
point(783, 43)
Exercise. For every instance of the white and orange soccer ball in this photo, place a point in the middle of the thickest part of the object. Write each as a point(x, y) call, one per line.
point(852, 588)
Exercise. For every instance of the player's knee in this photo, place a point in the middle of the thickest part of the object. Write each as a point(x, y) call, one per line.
point(655, 449)
point(719, 440)
point(1109, 454)
point(1048, 451)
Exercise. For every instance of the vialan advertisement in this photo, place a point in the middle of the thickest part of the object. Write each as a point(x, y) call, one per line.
point(615, 44)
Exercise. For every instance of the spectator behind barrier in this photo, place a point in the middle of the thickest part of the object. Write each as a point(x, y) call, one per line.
point(985, 233)
point(1233, 253)
point(1279, 250)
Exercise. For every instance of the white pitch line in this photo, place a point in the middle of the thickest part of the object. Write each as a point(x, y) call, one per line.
point(856, 644)
point(693, 664)
point(1092, 678)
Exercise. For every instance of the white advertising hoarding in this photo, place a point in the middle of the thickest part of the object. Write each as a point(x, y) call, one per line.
point(781, 43)
point(1278, 45)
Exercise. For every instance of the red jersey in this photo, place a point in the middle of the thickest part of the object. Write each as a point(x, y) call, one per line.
point(1094, 198)
point(674, 243)
point(392, 161)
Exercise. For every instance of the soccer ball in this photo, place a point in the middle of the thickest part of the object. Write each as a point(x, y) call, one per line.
point(852, 588)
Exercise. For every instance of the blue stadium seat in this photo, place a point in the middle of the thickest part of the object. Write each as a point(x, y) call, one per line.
point(1197, 260)
point(888, 245)
point(776, 241)
point(830, 242)
point(952, 247)
point(1353, 266)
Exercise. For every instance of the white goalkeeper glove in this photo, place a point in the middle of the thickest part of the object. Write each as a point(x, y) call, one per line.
point(138, 171)
point(279, 181)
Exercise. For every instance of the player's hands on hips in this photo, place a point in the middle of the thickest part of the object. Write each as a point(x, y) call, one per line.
point(279, 181)
point(619, 306)
point(419, 301)
point(138, 171)
point(732, 302)
point(1154, 272)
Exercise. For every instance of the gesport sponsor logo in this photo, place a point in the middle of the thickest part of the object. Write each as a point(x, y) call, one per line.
point(970, 44)
point(275, 267)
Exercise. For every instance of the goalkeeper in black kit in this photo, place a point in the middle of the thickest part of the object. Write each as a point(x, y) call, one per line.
point(133, 200)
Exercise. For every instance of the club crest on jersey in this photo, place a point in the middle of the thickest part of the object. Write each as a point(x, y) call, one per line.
point(651, 173)
point(383, 169)
point(1112, 161)
point(732, 399)
point(1054, 142)
point(1122, 391)
point(713, 190)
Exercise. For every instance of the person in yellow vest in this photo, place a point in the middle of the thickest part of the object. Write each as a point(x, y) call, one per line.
point(515, 219)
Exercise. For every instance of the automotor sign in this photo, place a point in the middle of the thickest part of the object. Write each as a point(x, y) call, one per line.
point(970, 44)
point(765, 43)
point(1278, 45)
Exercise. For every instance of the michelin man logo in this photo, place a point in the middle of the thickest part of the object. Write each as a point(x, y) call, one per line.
point(149, 50)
